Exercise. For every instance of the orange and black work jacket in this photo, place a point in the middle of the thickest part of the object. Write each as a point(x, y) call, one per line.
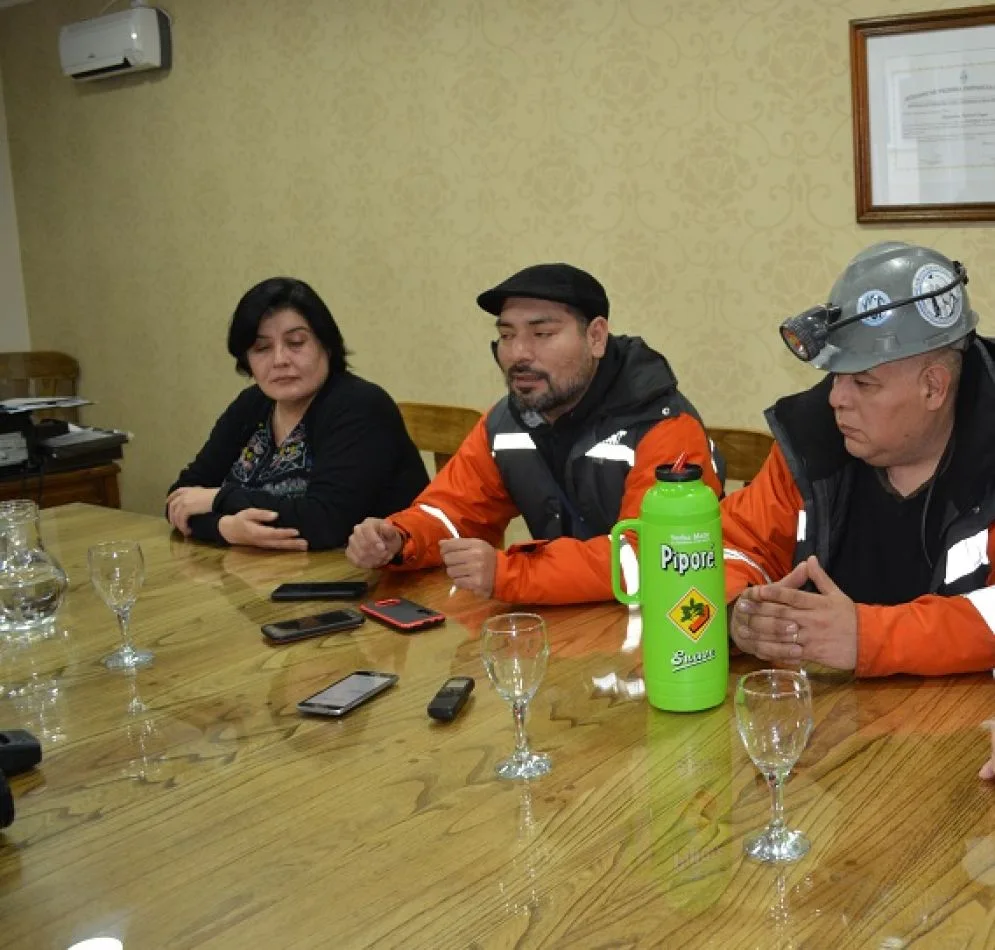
point(798, 504)
point(642, 421)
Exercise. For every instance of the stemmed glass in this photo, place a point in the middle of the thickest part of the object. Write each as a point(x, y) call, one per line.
point(117, 570)
point(515, 651)
point(774, 715)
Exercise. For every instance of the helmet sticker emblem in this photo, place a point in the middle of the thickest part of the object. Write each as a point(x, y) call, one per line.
point(871, 300)
point(942, 311)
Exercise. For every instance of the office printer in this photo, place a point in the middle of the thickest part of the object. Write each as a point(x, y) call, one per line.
point(27, 445)
point(17, 440)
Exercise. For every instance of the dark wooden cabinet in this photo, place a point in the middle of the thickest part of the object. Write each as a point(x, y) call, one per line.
point(96, 485)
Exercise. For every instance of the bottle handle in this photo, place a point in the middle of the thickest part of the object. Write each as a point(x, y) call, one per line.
point(629, 524)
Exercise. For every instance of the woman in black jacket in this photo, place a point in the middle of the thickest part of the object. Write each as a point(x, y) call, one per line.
point(307, 452)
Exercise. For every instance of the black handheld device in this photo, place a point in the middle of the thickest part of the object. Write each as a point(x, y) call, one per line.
point(347, 693)
point(287, 631)
point(321, 590)
point(19, 751)
point(451, 698)
point(6, 803)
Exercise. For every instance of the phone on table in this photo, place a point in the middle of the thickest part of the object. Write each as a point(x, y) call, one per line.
point(401, 614)
point(321, 590)
point(287, 631)
point(347, 693)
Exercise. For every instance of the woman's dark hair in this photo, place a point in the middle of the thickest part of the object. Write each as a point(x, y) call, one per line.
point(284, 293)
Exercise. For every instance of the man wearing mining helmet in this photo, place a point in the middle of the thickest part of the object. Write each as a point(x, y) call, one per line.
point(866, 542)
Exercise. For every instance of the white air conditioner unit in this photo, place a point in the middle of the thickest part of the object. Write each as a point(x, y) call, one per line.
point(119, 43)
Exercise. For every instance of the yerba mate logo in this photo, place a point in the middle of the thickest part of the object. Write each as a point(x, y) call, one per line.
point(692, 614)
point(684, 561)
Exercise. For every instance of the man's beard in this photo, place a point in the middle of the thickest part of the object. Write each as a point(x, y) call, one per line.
point(551, 396)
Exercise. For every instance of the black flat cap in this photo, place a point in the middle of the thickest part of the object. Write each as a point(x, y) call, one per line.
point(560, 282)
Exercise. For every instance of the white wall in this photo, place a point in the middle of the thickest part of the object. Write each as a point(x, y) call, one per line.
point(13, 307)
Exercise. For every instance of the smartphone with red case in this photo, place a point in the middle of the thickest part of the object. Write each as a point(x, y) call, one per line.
point(401, 614)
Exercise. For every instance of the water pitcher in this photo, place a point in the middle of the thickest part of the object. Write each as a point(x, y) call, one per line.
point(32, 583)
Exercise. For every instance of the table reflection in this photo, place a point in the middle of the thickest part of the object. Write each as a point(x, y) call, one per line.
point(780, 911)
point(634, 840)
point(145, 743)
point(32, 669)
point(625, 688)
point(520, 886)
point(686, 781)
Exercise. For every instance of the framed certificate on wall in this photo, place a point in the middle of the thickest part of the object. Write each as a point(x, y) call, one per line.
point(923, 90)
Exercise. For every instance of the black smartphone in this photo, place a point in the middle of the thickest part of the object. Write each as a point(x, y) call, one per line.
point(286, 631)
point(347, 693)
point(403, 615)
point(321, 590)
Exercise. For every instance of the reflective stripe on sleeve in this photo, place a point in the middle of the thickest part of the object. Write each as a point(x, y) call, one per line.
point(966, 556)
point(612, 452)
point(984, 603)
point(512, 440)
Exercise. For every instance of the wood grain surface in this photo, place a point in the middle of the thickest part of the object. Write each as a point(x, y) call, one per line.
point(218, 817)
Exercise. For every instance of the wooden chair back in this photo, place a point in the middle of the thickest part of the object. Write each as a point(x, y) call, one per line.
point(40, 373)
point(438, 429)
point(745, 451)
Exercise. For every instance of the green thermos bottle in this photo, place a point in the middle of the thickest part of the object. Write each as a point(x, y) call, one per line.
point(681, 591)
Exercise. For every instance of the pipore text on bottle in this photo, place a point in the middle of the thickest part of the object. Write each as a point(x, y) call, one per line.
point(683, 561)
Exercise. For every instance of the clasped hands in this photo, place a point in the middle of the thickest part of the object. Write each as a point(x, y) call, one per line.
point(782, 622)
point(250, 526)
point(470, 562)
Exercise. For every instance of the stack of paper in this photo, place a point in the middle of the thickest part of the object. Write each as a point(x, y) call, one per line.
point(34, 403)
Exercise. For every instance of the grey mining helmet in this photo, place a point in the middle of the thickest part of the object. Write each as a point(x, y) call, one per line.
point(893, 300)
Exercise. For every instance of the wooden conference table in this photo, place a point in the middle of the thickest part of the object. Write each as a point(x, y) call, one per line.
point(218, 817)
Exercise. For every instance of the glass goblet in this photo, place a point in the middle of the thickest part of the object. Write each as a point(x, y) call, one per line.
point(515, 651)
point(774, 716)
point(117, 570)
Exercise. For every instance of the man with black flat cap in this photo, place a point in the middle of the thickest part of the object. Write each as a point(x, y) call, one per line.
point(573, 448)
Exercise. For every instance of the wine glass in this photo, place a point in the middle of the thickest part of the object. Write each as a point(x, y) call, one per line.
point(515, 651)
point(774, 715)
point(117, 570)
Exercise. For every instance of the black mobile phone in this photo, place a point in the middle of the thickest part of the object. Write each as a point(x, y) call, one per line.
point(286, 631)
point(401, 614)
point(347, 693)
point(451, 698)
point(321, 590)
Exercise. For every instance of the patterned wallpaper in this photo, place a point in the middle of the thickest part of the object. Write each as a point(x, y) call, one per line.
point(402, 155)
point(13, 306)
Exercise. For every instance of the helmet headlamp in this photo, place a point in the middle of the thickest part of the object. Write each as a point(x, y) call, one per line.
point(806, 334)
